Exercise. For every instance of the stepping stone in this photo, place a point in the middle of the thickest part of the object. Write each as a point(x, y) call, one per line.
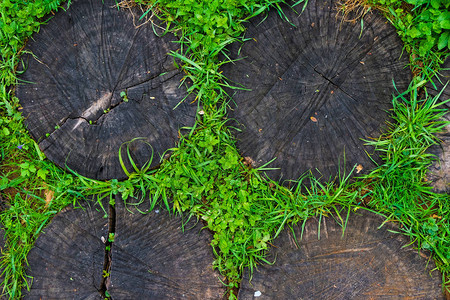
point(151, 257)
point(366, 262)
point(67, 258)
point(317, 86)
point(97, 81)
point(439, 174)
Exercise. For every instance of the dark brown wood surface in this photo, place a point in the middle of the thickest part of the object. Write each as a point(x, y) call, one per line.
point(439, 174)
point(84, 58)
point(365, 263)
point(67, 259)
point(153, 259)
point(318, 86)
point(150, 258)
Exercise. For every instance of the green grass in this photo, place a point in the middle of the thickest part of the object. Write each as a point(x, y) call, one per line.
point(205, 175)
point(398, 186)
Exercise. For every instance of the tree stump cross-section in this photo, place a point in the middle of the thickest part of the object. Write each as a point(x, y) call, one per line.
point(96, 81)
point(318, 85)
point(366, 262)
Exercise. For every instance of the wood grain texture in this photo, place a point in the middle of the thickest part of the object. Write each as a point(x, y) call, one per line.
point(150, 258)
point(318, 87)
point(84, 58)
point(153, 259)
point(365, 263)
point(439, 174)
point(67, 259)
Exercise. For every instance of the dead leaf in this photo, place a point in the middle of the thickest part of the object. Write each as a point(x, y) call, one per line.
point(248, 161)
point(48, 197)
point(359, 168)
point(313, 119)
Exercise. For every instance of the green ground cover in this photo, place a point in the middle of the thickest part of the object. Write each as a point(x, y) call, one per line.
point(205, 176)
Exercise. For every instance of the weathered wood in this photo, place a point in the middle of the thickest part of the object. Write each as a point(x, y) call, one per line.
point(318, 86)
point(365, 263)
point(150, 258)
point(84, 59)
point(439, 174)
point(153, 259)
point(67, 259)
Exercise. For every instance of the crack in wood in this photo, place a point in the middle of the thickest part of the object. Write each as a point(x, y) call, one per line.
point(89, 114)
point(335, 84)
point(80, 119)
point(154, 77)
point(109, 242)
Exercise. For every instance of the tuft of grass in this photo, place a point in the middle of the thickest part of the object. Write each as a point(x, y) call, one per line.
point(398, 187)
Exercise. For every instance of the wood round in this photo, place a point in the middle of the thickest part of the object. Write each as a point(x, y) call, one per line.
point(439, 174)
point(155, 257)
point(363, 263)
point(96, 81)
point(151, 257)
point(317, 85)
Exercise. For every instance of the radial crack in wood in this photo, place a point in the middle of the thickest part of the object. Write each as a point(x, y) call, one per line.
point(365, 262)
point(318, 86)
point(153, 258)
point(96, 81)
point(109, 241)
